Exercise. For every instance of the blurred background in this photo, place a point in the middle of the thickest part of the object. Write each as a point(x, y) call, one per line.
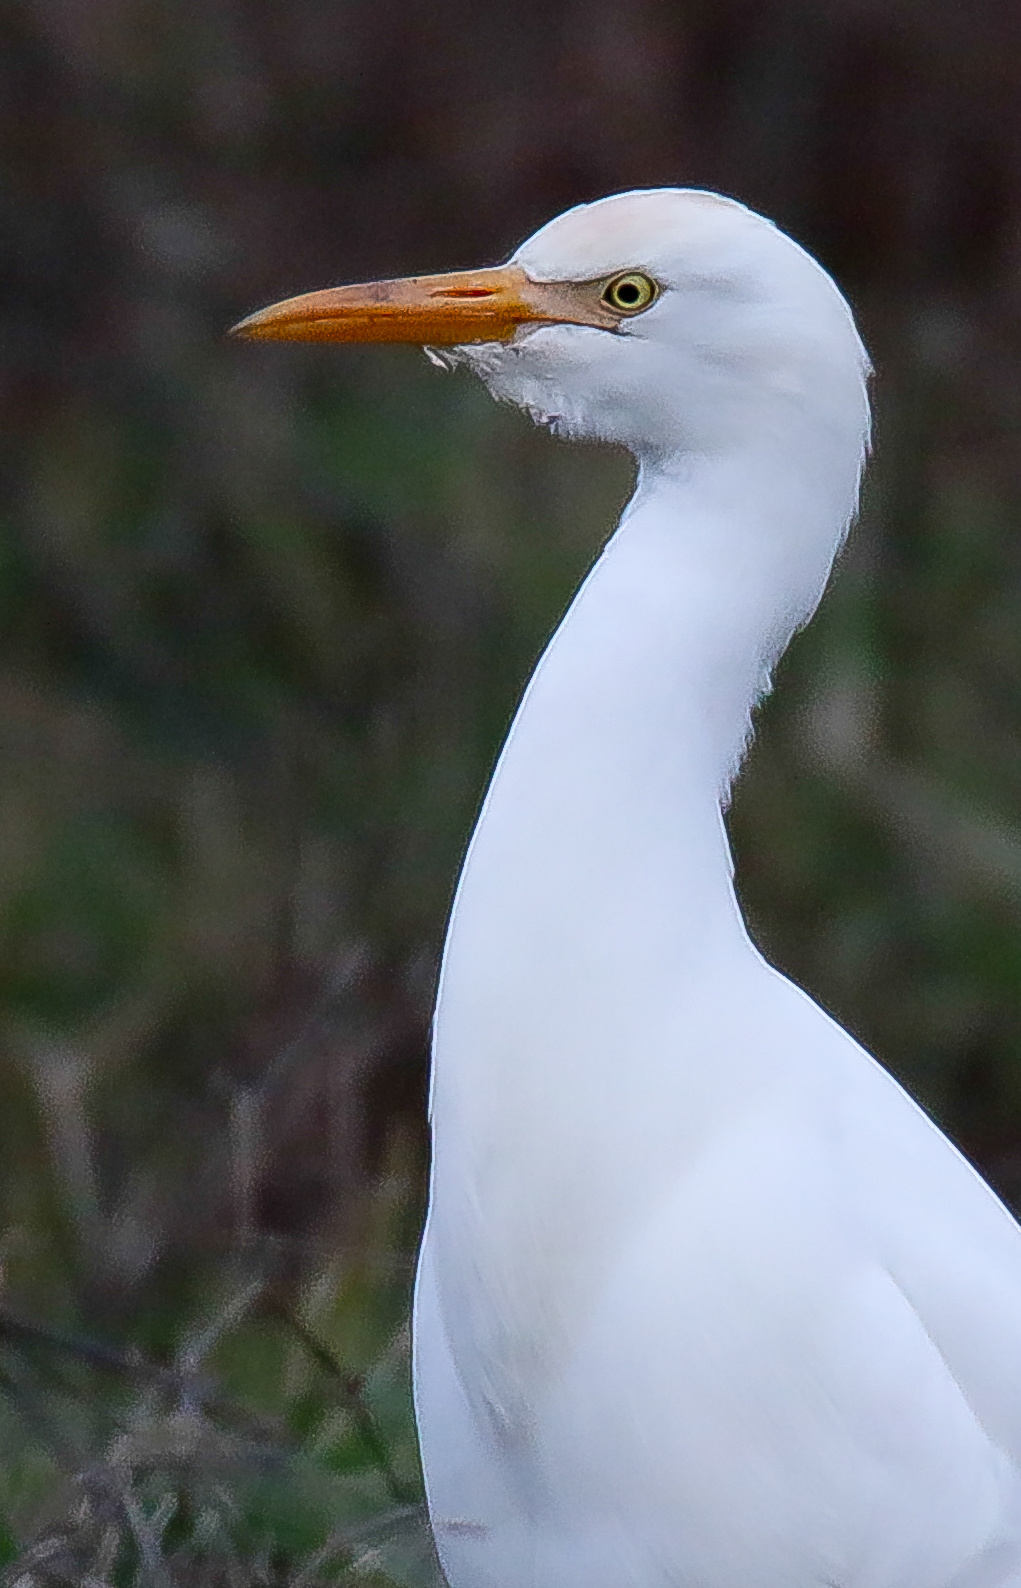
point(264, 614)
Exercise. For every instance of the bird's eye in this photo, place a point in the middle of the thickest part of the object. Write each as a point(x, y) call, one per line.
point(630, 293)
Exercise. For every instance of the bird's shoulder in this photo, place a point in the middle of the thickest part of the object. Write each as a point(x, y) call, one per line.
point(903, 1193)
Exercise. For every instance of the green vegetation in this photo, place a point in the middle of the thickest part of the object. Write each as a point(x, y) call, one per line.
point(221, 913)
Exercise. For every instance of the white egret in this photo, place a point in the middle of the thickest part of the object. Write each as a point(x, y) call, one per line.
point(704, 1300)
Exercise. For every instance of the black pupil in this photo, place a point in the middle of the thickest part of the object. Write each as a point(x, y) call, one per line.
point(628, 292)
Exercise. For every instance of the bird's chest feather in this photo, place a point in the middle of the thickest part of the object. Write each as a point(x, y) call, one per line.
point(550, 1161)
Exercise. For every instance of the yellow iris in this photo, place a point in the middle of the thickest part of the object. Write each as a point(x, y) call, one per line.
point(631, 292)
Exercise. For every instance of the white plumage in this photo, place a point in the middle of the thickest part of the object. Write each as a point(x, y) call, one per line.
point(704, 1300)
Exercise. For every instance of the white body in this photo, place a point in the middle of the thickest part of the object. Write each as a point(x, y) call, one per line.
point(704, 1300)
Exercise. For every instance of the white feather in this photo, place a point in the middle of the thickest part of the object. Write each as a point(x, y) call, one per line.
point(704, 1299)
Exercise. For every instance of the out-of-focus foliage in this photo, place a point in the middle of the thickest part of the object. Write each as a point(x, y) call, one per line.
point(264, 614)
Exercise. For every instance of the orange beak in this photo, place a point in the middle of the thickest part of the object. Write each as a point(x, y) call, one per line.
point(441, 311)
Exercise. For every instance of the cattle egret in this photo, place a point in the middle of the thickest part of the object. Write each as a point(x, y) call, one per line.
point(704, 1299)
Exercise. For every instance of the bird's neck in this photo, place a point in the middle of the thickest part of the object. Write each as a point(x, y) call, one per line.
point(598, 985)
point(600, 872)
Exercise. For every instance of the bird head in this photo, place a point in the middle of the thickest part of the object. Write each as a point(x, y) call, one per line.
point(671, 321)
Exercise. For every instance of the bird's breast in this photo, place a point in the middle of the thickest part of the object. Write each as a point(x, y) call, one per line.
point(563, 1116)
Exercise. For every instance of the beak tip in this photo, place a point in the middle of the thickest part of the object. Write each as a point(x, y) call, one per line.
point(244, 329)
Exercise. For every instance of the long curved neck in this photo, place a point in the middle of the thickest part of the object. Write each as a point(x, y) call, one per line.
point(597, 968)
point(599, 876)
